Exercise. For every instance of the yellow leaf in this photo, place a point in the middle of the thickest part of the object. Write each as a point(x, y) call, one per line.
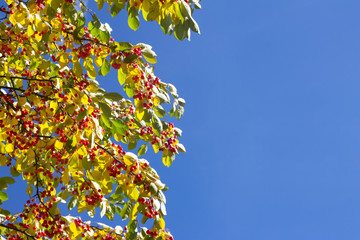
point(58, 145)
point(139, 111)
point(156, 147)
point(77, 68)
point(98, 128)
point(92, 73)
point(3, 160)
point(66, 176)
point(29, 190)
point(96, 175)
point(74, 230)
point(134, 195)
point(161, 223)
point(121, 76)
point(130, 158)
point(74, 163)
point(22, 101)
point(85, 99)
point(156, 101)
point(117, 137)
point(64, 59)
point(82, 151)
point(98, 61)
point(31, 154)
point(82, 206)
point(74, 141)
point(37, 101)
point(9, 148)
point(44, 128)
point(88, 64)
point(134, 211)
point(106, 185)
point(19, 163)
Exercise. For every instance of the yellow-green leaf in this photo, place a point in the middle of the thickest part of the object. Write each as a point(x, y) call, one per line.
point(121, 76)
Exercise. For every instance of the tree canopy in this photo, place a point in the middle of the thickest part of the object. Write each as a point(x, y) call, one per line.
point(70, 139)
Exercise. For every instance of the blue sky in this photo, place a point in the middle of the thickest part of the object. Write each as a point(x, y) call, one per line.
point(272, 120)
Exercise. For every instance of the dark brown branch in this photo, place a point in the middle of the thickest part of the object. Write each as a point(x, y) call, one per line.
point(18, 230)
point(112, 155)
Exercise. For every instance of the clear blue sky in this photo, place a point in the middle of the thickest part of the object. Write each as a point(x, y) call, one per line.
point(272, 121)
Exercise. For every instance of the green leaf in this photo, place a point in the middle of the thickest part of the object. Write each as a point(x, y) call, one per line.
point(7, 180)
point(87, 163)
point(4, 181)
point(181, 148)
point(194, 26)
point(173, 90)
point(96, 22)
point(70, 12)
point(3, 196)
point(110, 212)
point(105, 109)
point(14, 172)
point(105, 67)
point(133, 19)
point(144, 219)
point(51, 12)
point(180, 112)
point(102, 208)
point(100, 4)
point(166, 24)
point(81, 115)
point(4, 212)
point(80, 20)
point(29, 190)
point(153, 188)
point(129, 90)
point(121, 77)
point(105, 120)
point(161, 196)
point(93, 29)
point(132, 145)
point(116, 8)
point(82, 6)
point(34, 64)
point(118, 209)
point(181, 102)
point(168, 158)
point(104, 32)
point(114, 96)
point(180, 31)
point(125, 46)
point(142, 150)
point(72, 203)
point(153, 13)
point(157, 125)
point(125, 212)
point(130, 58)
point(91, 213)
point(132, 226)
point(120, 127)
point(149, 55)
point(132, 236)
point(160, 111)
point(69, 146)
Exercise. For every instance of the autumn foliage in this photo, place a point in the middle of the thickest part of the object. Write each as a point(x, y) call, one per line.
point(67, 137)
